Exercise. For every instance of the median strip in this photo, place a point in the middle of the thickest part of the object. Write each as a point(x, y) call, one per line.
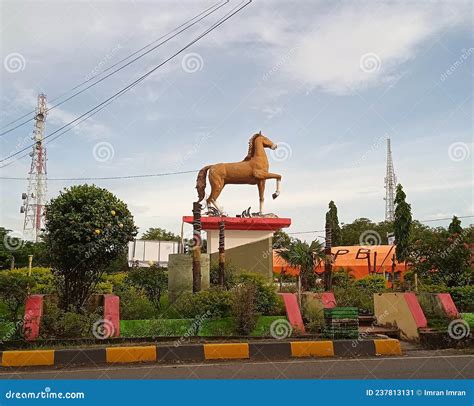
point(201, 352)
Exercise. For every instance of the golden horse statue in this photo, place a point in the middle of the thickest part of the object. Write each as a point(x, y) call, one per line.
point(253, 170)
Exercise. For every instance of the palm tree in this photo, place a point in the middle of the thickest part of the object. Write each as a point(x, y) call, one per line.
point(304, 256)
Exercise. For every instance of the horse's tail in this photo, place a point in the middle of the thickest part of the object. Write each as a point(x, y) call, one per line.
point(201, 182)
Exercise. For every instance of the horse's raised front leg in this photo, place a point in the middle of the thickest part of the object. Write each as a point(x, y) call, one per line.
point(278, 180)
point(261, 194)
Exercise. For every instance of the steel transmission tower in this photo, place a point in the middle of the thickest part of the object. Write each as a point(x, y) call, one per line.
point(390, 183)
point(34, 199)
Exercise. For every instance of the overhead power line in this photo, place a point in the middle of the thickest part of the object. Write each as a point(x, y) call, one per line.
point(150, 175)
point(199, 18)
point(116, 95)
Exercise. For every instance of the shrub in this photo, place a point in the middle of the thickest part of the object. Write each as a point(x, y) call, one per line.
point(353, 296)
point(66, 324)
point(371, 284)
point(135, 305)
point(244, 307)
point(229, 274)
point(463, 296)
point(215, 302)
point(266, 296)
point(314, 319)
point(153, 281)
point(14, 286)
point(342, 278)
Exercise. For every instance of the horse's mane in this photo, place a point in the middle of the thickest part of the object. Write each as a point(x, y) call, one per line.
point(252, 146)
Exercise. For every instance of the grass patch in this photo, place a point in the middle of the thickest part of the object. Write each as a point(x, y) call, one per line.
point(154, 328)
point(180, 327)
point(217, 327)
point(469, 319)
point(262, 329)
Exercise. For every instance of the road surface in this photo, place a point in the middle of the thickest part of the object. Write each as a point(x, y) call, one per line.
point(415, 365)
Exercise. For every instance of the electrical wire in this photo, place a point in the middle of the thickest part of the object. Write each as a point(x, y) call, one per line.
point(119, 69)
point(116, 95)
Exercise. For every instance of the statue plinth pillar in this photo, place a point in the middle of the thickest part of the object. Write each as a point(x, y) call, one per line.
point(248, 240)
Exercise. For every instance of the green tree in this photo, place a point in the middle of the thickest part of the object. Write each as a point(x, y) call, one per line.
point(87, 228)
point(455, 226)
point(442, 258)
point(160, 234)
point(402, 224)
point(281, 239)
point(304, 256)
point(333, 221)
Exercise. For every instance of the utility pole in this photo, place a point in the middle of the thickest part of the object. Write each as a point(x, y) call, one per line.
point(35, 197)
point(390, 184)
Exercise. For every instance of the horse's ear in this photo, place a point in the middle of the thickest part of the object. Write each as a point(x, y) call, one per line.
point(260, 133)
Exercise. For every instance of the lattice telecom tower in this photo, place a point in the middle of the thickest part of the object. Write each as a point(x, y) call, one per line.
point(390, 184)
point(34, 199)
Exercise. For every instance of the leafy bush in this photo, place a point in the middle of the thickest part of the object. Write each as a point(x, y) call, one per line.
point(229, 274)
point(216, 302)
point(266, 296)
point(342, 278)
point(57, 323)
point(244, 307)
point(314, 319)
point(371, 284)
point(463, 297)
point(135, 305)
point(353, 296)
point(153, 281)
point(14, 286)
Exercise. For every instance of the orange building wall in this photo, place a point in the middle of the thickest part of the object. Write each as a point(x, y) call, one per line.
point(353, 258)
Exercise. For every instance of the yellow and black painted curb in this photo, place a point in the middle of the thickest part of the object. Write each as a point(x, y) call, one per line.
point(276, 350)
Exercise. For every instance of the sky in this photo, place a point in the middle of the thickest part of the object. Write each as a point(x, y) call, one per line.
point(328, 81)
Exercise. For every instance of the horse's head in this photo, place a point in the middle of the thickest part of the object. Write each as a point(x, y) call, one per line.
point(267, 143)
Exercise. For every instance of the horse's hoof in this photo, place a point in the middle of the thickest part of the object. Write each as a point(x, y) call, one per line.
point(275, 195)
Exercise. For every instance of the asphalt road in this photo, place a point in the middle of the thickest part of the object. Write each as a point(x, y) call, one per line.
point(419, 365)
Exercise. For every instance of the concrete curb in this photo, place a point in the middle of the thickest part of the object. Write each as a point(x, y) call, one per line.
point(201, 352)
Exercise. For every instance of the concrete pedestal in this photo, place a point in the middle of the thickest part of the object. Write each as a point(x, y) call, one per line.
point(248, 241)
point(180, 274)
